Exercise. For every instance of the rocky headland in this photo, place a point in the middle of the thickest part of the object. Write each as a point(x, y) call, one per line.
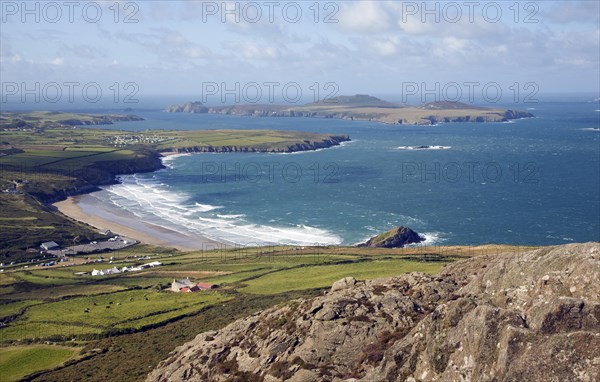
point(306, 145)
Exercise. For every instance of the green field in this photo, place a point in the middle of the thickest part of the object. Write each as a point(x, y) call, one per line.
point(131, 322)
point(260, 140)
point(324, 275)
point(19, 361)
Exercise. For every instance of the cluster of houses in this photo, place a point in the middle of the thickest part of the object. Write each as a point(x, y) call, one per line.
point(115, 270)
point(188, 286)
point(123, 140)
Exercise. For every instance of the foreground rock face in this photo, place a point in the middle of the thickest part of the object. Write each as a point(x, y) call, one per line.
point(531, 316)
point(397, 237)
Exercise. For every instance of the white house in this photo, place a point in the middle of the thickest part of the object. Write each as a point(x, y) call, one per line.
point(177, 285)
point(112, 271)
point(49, 245)
point(152, 264)
point(96, 272)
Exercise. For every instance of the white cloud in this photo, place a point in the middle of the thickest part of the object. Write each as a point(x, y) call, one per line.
point(364, 17)
point(386, 46)
point(414, 26)
point(253, 50)
point(58, 61)
point(566, 12)
point(82, 51)
point(372, 45)
point(168, 44)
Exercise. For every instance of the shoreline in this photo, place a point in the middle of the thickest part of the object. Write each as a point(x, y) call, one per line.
point(126, 224)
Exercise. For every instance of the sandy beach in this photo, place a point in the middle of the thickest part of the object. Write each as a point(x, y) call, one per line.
point(125, 223)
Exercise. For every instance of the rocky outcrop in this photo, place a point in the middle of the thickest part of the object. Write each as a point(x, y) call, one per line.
point(531, 316)
point(517, 114)
point(397, 237)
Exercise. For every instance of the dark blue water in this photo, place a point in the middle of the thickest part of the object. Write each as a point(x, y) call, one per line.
point(534, 181)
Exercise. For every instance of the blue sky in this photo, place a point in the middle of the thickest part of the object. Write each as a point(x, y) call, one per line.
point(175, 47)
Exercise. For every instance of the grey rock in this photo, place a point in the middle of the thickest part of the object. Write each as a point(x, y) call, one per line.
point(488, 318)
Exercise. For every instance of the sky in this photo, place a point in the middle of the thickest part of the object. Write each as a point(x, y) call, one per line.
point(217, 51)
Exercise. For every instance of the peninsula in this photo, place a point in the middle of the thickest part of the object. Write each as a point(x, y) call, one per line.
point(36, 120)
point(45, 157)
point(364, 108)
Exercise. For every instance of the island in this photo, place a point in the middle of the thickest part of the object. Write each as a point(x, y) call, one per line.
point(364, 108)
point(396, 237)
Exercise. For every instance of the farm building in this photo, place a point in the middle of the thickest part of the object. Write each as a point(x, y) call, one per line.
point(49, 245)
point(206, 286)
point(112, 271)
point(178, 285)
point(186, 285)
point(152, 264)
point(131, 269)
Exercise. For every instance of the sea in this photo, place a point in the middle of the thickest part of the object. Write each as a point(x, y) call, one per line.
point(532, 181)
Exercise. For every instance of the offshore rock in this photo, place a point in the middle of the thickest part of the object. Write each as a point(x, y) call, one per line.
point(397, 237)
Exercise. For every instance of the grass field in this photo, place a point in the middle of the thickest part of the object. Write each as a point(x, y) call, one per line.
point(320, 276)
point(261, 140)
point(130, 322)
point(19, 361)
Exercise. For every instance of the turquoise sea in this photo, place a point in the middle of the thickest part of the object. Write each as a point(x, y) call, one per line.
point(532, 181)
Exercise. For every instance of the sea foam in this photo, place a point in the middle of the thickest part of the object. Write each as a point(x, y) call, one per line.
point(417, 148)
point(157, 204)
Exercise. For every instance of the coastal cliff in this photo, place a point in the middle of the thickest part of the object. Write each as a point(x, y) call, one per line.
point(306, 145)
point(531, 316)
point(90, 178)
